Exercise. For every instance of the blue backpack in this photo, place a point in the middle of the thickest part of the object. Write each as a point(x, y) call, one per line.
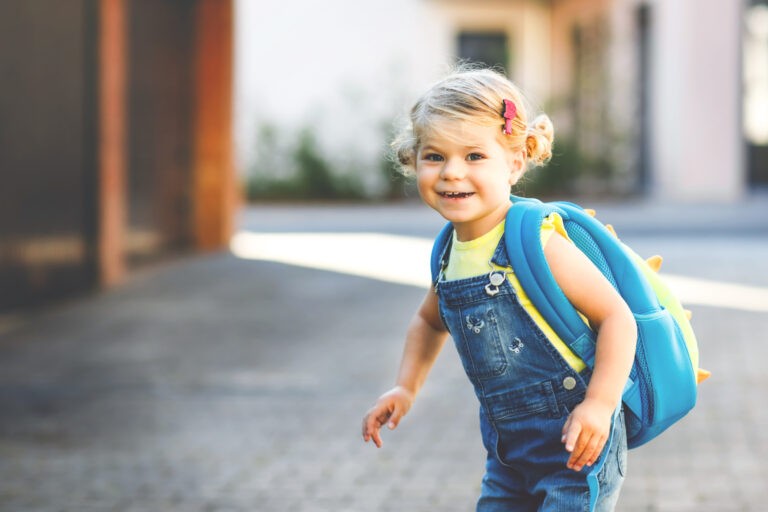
point(662, 385)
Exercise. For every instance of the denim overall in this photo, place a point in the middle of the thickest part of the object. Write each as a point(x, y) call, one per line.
point(526, 391)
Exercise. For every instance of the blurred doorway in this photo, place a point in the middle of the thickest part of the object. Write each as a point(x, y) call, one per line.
point(487, 48)
point(755, 98)
point(48, 158)
point(644, 172)
point(161, 49)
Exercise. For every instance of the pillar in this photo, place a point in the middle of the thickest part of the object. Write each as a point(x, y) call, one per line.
point(696, 100)
point(111, 142)
point(214, 189)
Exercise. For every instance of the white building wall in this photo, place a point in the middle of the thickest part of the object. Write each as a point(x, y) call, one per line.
point(696, 118)
point(345, 68)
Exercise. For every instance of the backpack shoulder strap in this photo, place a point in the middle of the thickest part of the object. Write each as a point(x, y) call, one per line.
point(612, 258)
point(523, 242)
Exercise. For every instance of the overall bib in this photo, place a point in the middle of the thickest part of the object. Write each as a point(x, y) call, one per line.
point(526, 391)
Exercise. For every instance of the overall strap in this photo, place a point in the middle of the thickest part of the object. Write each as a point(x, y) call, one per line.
point(439, 250)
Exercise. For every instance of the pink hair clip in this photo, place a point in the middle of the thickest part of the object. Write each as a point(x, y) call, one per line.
point(510, 111)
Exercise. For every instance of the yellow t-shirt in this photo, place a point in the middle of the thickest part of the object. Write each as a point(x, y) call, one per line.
point(471, 258)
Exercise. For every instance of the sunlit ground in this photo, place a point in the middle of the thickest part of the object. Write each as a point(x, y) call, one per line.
point(405, 260)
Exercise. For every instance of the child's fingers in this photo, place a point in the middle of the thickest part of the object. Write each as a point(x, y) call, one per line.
point(367, 430)
point(389, 410)
point(372, 434)
point(587, 450)
point(372, 424)
point(577, 441)
point(579, 455)
point(595, 448)
point(566, 427)
point(395, 417)
point(571, 432)
point(376, 436)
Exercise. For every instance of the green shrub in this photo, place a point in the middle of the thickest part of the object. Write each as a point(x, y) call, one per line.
point(569, 172)
point(305, 175)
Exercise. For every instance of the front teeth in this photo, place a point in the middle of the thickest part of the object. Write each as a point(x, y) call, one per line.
point(456, 194)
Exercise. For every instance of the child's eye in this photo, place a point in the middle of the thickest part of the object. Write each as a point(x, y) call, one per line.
point(433, 157)
point(475, 156)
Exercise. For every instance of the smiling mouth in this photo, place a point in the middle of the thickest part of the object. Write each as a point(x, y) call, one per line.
point(456, 195)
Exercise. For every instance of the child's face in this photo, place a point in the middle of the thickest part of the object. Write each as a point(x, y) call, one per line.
point(465, 174)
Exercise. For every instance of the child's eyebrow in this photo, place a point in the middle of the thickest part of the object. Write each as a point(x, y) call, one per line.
point(469, 146)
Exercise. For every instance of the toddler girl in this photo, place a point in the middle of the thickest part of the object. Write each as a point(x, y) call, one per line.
point(545, 418)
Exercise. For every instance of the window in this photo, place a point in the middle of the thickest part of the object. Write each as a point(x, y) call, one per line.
point(487, 48)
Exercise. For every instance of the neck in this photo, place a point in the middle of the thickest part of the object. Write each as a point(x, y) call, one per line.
point(466, 231)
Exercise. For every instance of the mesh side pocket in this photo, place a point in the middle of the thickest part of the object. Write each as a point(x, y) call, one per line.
point(644, 376)
point(588, 246)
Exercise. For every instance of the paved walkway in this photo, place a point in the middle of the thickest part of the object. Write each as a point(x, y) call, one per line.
point(222, 384)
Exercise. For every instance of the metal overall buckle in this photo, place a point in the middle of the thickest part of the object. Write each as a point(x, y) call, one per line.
point(496, 278)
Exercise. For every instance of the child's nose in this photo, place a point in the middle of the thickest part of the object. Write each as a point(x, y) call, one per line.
point(452, 170)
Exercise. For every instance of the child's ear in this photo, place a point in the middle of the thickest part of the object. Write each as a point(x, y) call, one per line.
point(516, 167)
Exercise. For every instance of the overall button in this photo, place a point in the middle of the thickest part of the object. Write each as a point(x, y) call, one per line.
point(569, 383)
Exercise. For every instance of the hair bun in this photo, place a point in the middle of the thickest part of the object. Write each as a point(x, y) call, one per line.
point(538, 141)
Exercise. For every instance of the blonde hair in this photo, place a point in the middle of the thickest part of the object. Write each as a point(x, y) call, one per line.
point(474, 96)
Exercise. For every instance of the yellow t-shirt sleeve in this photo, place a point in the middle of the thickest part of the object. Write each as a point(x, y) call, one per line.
point(553, 223)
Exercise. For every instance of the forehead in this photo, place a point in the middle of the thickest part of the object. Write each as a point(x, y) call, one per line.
point(446, 131)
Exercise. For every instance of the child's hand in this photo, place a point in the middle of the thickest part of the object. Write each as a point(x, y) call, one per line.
point(389, 408)
point(586, 432)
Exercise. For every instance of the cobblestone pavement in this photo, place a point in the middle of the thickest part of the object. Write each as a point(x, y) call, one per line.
point(220, 384)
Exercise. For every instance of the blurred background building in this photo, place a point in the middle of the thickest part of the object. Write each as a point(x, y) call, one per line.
point(666, 99)
point(119, 143)
point(115, 139)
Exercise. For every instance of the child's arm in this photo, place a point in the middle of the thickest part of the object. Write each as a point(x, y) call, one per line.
point(424, 339)
point(587, 428)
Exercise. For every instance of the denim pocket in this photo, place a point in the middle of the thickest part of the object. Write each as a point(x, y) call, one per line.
point(479, 341)
point(535, 399)
point(613, 471)
point(530, 442)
